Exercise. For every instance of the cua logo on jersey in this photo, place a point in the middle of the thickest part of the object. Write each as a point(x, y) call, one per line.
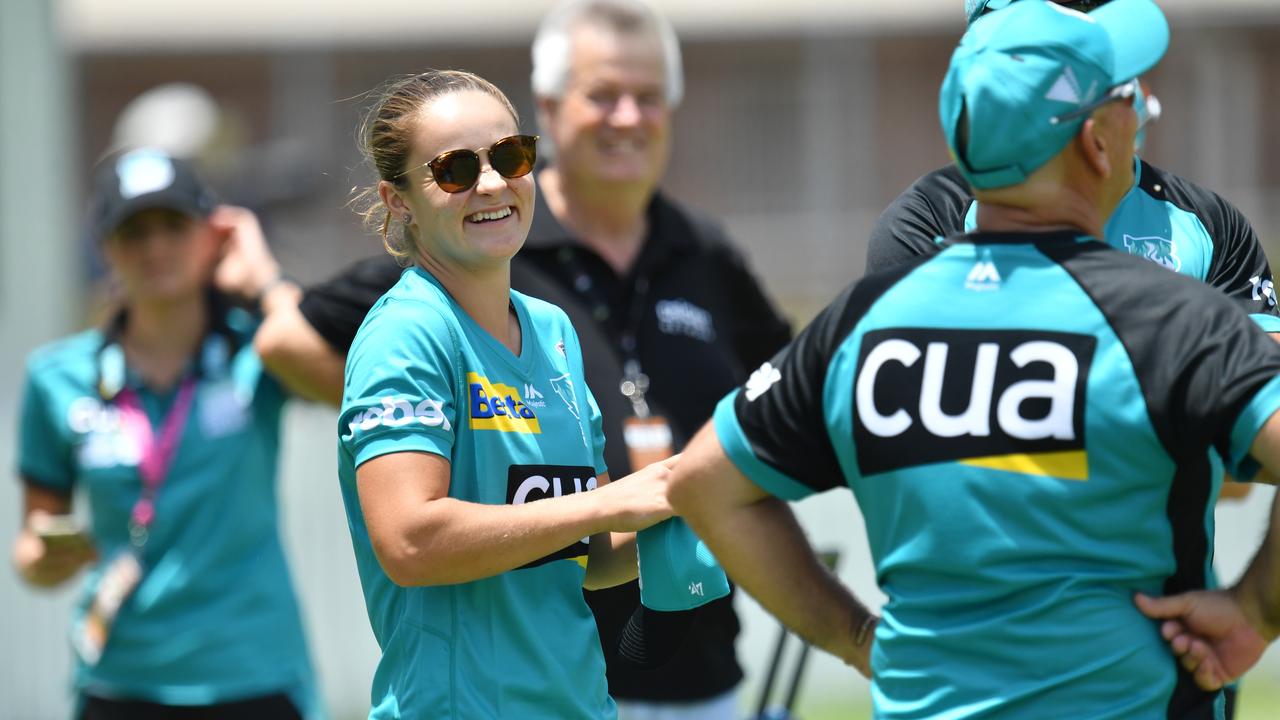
point(530, 483)
point(495, 406)
point(1158, 250)
point(1003, 399)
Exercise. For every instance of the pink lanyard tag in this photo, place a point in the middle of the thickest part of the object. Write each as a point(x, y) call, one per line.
point(157, 453)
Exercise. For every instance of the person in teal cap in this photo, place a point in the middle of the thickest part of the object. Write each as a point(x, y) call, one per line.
point(1163, 218)
point(1030, 441)
point(164, 421)
point(470, 449)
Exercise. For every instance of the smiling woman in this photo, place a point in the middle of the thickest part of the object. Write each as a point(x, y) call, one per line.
point(478, 508)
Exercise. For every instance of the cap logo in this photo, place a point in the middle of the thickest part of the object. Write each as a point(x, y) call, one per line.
point(144, 171)
point(1065, 89)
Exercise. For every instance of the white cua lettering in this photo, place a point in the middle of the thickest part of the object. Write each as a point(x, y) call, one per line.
point(1060, 391)
point(554, 487)
point(975, 420)
point(899, 351)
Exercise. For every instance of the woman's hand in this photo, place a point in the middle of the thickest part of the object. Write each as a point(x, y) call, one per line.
point(247, 267)
point(45, 563)
point(638, 500)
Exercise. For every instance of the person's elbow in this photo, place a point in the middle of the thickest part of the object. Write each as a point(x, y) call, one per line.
point(271, 343)
point(405, 561)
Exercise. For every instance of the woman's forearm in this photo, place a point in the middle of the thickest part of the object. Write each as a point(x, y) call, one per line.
point(447, 541)
point(611, 560)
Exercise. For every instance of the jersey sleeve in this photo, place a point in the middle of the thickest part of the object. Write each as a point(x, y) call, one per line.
point(45, 454)
point(401, 392)
point(1208, 374)
point(774, 427)
point(1232, 386)
point(1239, 267)
point(336, 307)
point(933, 207)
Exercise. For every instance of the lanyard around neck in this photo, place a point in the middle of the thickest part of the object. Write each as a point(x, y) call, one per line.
point(157, 450)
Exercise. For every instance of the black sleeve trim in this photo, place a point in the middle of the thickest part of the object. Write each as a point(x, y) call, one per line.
point(337, 307)
point(62, 489)
point(786, 426)
point(934, 206)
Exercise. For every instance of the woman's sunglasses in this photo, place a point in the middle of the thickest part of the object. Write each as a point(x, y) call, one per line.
point(457, 171)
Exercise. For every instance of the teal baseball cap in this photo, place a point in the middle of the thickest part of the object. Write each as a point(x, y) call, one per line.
point(1026, 78)
point(677, 570)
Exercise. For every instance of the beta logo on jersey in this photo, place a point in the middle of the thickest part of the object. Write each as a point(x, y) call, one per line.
point(530, 483)
point(1004, 399)
point(495, 406)
point(1158, 250)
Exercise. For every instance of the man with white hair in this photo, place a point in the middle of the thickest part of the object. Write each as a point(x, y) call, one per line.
point(673, 300)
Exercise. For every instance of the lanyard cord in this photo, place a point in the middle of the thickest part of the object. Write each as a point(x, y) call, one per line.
point(158, 451)
point(634, 383)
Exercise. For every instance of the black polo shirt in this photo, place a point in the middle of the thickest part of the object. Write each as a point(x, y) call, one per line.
point(689, 311)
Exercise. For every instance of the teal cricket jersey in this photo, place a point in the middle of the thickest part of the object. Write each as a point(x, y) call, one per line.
point(1163, 218)
point(1027, 455)
point(214, 618)
point(422, 376)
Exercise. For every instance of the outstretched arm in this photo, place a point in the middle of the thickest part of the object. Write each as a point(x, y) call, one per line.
point(762, 548)
point(421, 536)
point(295, 353)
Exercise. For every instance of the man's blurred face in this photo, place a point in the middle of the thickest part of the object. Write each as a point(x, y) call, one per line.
point(613, 123)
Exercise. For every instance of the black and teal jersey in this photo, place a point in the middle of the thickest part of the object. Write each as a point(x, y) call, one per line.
point(423, 376)
point(1027, 455)
point(1164, 218)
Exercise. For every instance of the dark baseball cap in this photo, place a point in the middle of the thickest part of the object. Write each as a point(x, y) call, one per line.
point(973, 9)
point(127, 183)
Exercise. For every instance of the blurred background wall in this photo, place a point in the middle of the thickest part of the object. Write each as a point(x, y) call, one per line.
point(802, 120)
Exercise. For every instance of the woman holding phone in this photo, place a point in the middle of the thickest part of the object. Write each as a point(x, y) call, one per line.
point(470, 455)
point(166, 423)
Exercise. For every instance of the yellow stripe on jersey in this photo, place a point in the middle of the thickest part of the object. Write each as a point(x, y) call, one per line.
point(1068, 465)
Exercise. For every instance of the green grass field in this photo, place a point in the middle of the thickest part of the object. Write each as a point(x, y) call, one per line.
point(1258, 701)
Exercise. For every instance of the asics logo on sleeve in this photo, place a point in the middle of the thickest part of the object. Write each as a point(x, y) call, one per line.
point(495, 406)
point(399, 411)
point(530, 483)
point(1005, 399)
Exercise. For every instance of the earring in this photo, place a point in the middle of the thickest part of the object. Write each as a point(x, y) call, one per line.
point(408, 219)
